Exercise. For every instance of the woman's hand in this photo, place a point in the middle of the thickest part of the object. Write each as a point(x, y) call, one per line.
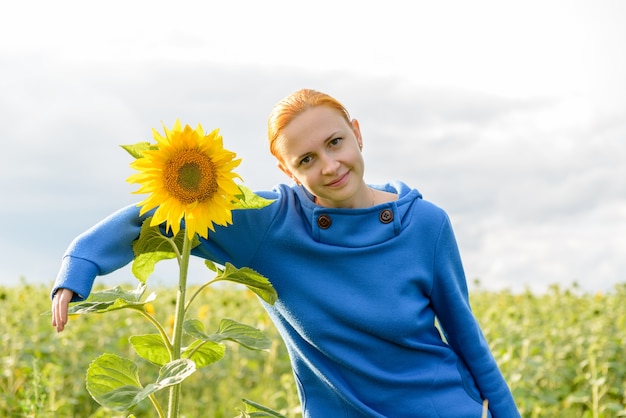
point(60, 304)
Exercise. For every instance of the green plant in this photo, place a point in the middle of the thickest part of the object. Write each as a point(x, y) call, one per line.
point(113, 381)
point(541, 341)
point(189, 178)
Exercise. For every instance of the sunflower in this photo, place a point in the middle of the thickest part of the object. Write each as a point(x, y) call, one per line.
point(188, 175)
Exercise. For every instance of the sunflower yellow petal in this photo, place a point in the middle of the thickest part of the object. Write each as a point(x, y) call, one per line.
point(188, 177)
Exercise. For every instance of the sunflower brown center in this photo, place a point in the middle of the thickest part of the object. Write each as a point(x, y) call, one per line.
point(190, 176)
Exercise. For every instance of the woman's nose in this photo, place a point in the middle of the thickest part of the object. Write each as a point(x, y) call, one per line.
point(329, 166)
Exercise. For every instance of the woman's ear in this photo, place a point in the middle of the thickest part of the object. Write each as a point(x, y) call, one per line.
point(287, 172)
point(356, 129)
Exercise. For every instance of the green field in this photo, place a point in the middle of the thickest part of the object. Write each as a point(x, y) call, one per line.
point(563, 354)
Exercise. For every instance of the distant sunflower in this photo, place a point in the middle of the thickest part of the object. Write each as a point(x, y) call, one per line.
point(188, 175)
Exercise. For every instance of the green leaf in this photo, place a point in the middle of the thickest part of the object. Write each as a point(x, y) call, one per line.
point(254, 409)
point(243, 334)
point(117, 292)
point(170, 374)
point(113, 381)
point(250, 200)
point(152, 246)
point(136, 150)
point(204, 353)
point(111, 300)
point(211, 266)
point(151, 347)
point(230, 330)
point(250, 278)
point(195, 328)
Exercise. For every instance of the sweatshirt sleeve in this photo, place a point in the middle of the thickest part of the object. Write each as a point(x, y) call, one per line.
point(450, 300)
point(100, 250)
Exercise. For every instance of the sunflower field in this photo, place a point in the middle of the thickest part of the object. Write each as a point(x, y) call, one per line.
point(563, 353)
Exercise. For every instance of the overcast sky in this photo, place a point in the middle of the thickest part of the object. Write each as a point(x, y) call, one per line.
point(509, 115)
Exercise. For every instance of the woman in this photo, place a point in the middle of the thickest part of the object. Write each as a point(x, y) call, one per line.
point(361, 274)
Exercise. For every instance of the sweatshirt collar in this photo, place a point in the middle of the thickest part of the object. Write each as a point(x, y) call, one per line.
point(361, 227)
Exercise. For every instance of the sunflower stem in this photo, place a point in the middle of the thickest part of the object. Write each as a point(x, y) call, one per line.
point(179, 318)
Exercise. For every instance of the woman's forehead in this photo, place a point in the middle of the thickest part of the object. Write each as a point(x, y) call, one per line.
point(314, 121)
point(309, 129)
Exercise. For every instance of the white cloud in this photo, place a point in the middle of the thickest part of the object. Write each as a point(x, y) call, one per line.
point(511, 117)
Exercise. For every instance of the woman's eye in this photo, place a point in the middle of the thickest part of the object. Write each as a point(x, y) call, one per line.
point(305, 160)
point(335, 141)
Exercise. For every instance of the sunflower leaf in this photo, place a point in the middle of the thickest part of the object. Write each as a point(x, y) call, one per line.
point(255, 410)
point(211, 266)
point(256, 282)
point(113, 381)
point(151, 347)
point(231, 330)
point(152, 246)
point(250, 200)
point(111, 300)
point(117, 292)
point(204, 353)
point(243, 334)
point(136, 150)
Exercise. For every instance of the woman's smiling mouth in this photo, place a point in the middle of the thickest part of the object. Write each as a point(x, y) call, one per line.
point(339, 181)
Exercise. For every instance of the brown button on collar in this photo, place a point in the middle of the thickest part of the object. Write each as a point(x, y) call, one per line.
point(386, 216)
point(324, 221)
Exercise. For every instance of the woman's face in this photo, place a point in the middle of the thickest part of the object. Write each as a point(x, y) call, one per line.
point(322, 151)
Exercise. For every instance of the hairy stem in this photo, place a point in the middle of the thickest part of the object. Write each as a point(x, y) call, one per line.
point(156, 405)
point(179, 318)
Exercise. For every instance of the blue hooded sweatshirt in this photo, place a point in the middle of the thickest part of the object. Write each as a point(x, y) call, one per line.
point(359, 291)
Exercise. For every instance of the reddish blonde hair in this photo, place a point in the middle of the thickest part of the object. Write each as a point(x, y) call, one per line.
point(291, 106)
